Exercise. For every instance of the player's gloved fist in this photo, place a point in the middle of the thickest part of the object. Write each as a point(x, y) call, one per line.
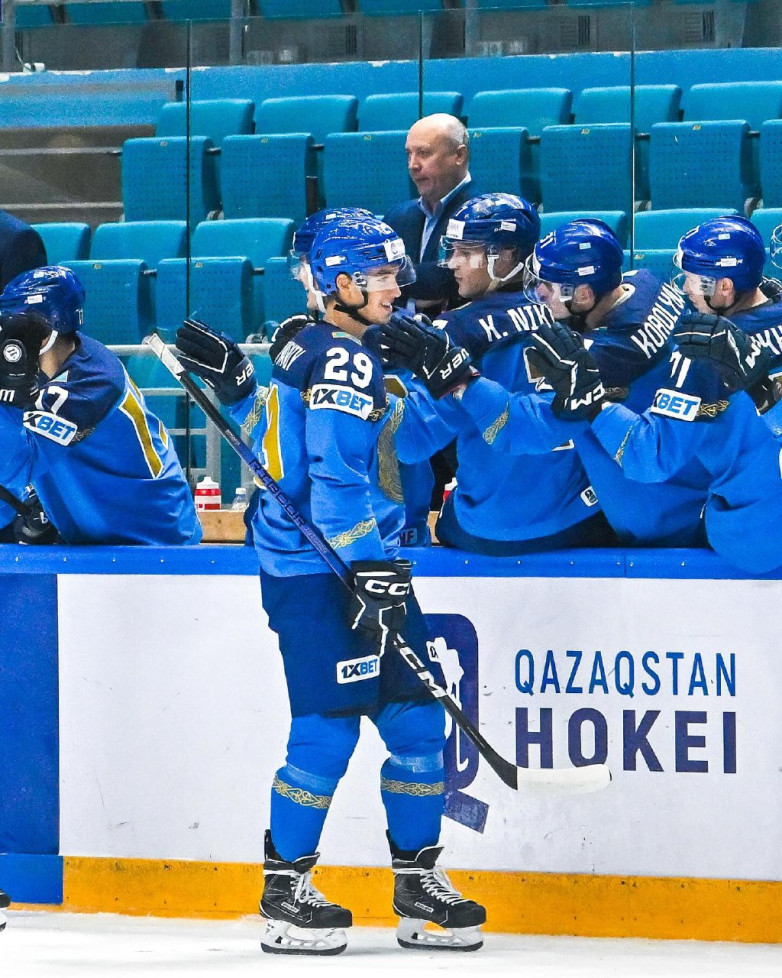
point(414, 343)
point(216, 359)
point(34, 527)
point(286, 331)
point(380, 588)
point(21, 338)
point(743, 364)
point(560, 356)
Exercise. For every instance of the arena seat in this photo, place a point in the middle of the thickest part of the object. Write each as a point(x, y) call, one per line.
point(771, 162)
point(366, 169)
point(502, 158)
point(663, 228)
point(118, 303)
point(65, 241)
point(399, 110)
point(196, 9)
point(266, 176)
point(37, 16)
point(283, 295)
point(700, 164)
point(657, 260)
point(215, 118)
point(587, 166)
point(316, 114)
point(767, 220)
point(154, 176)
point(398, 8)
point(150, 241)
point(532, 109)
point(299, 9)
point(650, 104)
point(106, 13)
point(616, 220)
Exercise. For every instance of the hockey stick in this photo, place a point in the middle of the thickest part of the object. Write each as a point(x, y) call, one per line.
point(591, 777)
point(8, 497)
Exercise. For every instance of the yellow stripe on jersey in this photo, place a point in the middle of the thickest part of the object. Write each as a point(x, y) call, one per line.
point(272, 452)
point(132, 409)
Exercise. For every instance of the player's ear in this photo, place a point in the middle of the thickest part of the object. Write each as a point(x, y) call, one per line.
point(584, 294)
point(345, 284)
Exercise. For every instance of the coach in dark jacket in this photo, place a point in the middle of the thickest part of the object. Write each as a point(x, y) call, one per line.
point(438, 155)
point(21, 248)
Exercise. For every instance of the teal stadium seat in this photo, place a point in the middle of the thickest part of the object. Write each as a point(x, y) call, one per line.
point(663, 229)
point(150, 241)
point(299, 9)
point(366, 169)
point(65, 241)
point(609, 3)
point(266, 176)
point(225, 255)
point(752, 102)
point(283, 295)
point(215, 118)
point(37, 16)
point(398, 8)
point(657, 260)
point(587, 167)
point(616, 220)
point(523, 108)
point(771, 162)
point(316, 114)
point(154, 179)
point(501, 159)
point(511, 4)
point(650, 104)
point(399, 110)
point(767, 220)
point(196, 9)
point(700, 164)
point(95, 14)
point(118, 299)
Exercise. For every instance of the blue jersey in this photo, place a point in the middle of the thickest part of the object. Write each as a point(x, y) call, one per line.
point(103, 465)
point(527, 496)
point(695, 417)
point(332, 437)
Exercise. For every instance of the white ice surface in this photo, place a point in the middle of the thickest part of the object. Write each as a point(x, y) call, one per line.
point(44, 945)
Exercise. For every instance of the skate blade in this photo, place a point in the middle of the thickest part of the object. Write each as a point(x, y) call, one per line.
point(280, 937)
point(412, 933)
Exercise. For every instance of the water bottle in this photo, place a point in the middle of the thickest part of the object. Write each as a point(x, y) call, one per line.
point(239, 504)
point(207, 495)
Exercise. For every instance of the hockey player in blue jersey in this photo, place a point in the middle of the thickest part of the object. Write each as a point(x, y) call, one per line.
point(504, 505)
point(695, 415)
point(325, 429)
point(74, 426)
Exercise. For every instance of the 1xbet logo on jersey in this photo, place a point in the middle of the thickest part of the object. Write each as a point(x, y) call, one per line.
point(673, 404)
point(340, 399)
point(50, 426)
point(354, 670)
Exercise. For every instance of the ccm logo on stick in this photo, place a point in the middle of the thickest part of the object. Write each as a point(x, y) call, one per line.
point(354, 670)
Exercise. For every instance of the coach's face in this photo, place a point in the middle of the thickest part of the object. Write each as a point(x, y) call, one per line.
point(435, 162)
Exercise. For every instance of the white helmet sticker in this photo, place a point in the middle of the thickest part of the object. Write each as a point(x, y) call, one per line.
point(394, 248)
point(455, 229)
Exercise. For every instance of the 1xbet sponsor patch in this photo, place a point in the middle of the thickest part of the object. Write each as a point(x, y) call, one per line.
point(50, 426)
point(340, 399)
point(672, 404)
point(354, 670)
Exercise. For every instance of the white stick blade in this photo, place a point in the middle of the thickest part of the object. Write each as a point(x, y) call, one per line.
point(162, 352)
point(566, 780)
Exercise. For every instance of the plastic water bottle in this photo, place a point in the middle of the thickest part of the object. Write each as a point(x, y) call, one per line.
point(207, 494)
point(239, 504)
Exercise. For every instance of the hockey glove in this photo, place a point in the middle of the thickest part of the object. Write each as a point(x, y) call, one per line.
point(34, 527)
point(216, 359)
point(21, 338)
point(415, 344)
point(560, 356)
point(742, 364)
point(379, 591)
point(287, 330)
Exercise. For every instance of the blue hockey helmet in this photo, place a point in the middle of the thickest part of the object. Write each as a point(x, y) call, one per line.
point(53, 291)
point(723, 247)
point(581, 252)
point(358, 247)
point(305, 235)
point(490, 224)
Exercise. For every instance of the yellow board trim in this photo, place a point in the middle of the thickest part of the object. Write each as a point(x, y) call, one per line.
point(517, 903)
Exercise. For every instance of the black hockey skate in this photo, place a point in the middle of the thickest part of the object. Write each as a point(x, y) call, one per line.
point(424, 894)
point(5, 901)
point(299, 919)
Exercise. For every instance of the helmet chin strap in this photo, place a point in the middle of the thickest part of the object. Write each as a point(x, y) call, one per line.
point(49, 343)
point(498, 280)
point(354, 311)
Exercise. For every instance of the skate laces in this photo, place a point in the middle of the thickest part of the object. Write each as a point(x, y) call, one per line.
point(307, 893)
point(436, 884)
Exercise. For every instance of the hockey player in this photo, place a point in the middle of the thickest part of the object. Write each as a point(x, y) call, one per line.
point(327, 435)
point(531, 502)
point(75, 427)
point(695, 415)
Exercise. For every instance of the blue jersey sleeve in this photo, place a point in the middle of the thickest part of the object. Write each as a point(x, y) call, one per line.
point(420, 425)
